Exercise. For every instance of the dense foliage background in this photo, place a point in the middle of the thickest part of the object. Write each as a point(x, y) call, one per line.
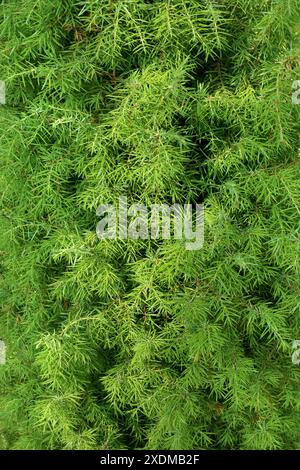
point(134, 343)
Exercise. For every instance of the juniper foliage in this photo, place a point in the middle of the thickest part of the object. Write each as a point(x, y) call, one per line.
point(141, 343)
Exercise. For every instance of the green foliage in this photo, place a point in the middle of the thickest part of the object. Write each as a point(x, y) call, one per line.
point(138, 343)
